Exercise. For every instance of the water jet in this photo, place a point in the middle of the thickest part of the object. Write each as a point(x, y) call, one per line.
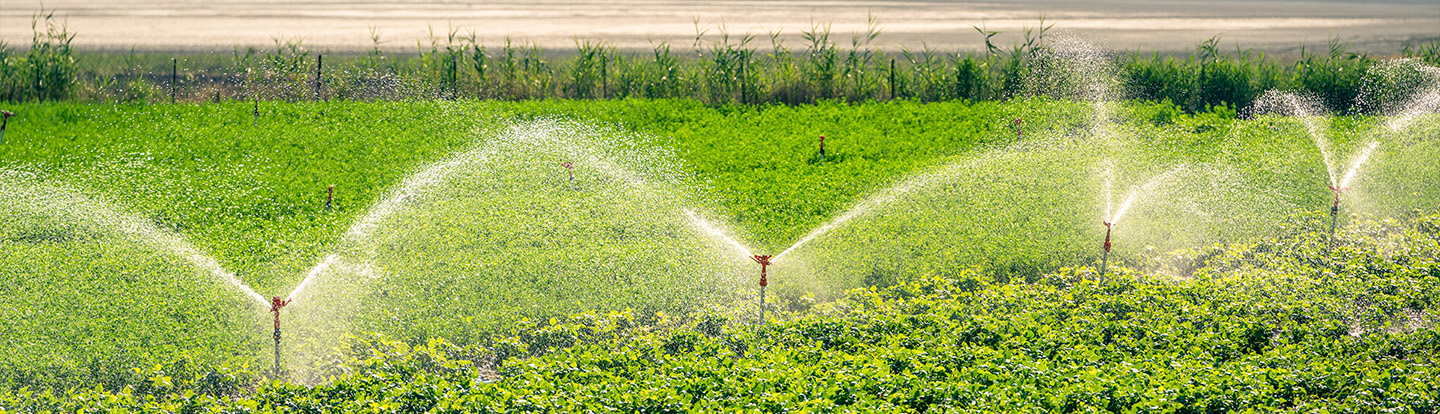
point(764, 261)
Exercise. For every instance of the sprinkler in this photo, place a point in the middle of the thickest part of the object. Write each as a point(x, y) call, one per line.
point(275, 305)
point(256, 122)
point(1019, 128)
point(822, 149)
point(4, 123)
point(330, 198)
point(1334, 217)
point(569, 166)
point(1105, 257)
point(764, 261)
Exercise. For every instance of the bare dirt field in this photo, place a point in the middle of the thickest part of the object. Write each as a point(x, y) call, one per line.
point(1162, 26)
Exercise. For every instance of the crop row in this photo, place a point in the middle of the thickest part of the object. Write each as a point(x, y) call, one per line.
point(1265, 325)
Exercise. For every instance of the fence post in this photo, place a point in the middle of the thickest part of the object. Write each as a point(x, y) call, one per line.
point(319, 63)
point(174, 70)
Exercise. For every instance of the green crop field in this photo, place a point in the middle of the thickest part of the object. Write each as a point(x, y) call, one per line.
point(461, 267)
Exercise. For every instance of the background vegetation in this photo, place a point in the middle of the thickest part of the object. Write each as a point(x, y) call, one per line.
point(716, 67)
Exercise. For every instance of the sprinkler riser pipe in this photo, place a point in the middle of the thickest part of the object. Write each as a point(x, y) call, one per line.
point(330, 197)
point(4, 123)
point(762, 303)
point(1105, 257)
point(763, 283)
point(570, 168)
point(275, 305)
point(764, 261)
point(277, 351)
point(1334, 219)
point(822, 149)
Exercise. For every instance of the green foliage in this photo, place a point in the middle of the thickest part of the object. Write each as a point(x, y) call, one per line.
point(719, 68)
point(46, 71)
point(992, 324)
point(1333, 77)
point(1211, 77)
point(1262, 325)
point(1428, 51)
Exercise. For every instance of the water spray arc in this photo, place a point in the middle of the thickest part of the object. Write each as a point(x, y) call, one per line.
point(764, 261)
point(1114, 215)
point(1307, 109)
point(275, 305)
point(1342, 186)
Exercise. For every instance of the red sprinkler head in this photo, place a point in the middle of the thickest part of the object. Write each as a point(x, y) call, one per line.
point(764, 261)
point(1108, 226)
point(1335, 208)
point(567, 165)
point(275, 305)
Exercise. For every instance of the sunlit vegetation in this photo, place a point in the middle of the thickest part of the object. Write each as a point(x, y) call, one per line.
point(976, 292)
